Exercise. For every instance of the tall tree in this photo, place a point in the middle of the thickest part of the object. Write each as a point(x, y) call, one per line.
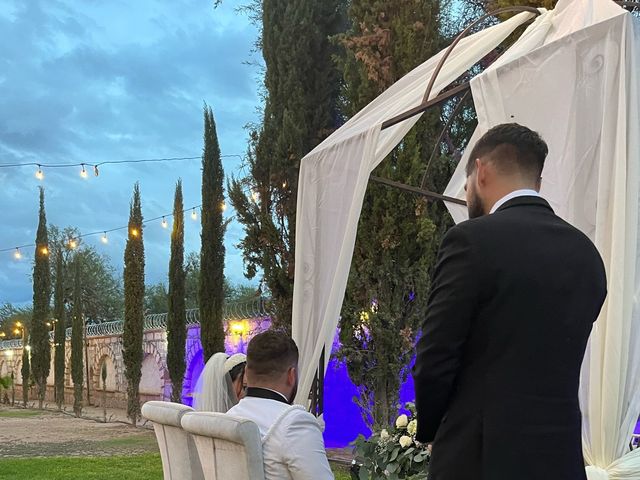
point(398, 233)
point(77, 343)
point(212, 251)
point(25, 371)
point(177, 321)
point(133, 307)
point(39, 339)
point(59, 341)
point(302, 91)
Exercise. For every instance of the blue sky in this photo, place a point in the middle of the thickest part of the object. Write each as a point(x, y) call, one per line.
point(91, 81)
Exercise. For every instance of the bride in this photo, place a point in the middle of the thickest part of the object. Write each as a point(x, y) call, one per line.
point(221, 384)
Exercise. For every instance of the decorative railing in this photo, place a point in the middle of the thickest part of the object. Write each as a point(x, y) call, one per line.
point(255, 309)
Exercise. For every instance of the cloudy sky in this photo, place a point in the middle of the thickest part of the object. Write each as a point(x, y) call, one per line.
point(91, 81)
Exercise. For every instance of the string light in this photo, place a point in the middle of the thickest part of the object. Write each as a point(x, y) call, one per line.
point(39, 174)
point(73, 243)
point(95, 170)
point(104, 238)
point(255, 196)
point(164, 223)
point(17, 255)
point(194, 215)
point(83, 173)
point(223, 206)
point(134, 232)
point(44, 251)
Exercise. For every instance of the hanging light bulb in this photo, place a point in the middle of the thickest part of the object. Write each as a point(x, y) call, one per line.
point(134, 232)
point(104, 238)
point(83, 172)
point(255, 196)
point(44, 250)
point(194, 215)
point(95, 170)
point(164, 222)
point(17, 255)
point(73, 243)
point(39, 173)
point(223, 206)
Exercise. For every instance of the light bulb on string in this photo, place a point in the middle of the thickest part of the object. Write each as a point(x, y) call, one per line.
point(164, 222)
point(83, 172)
point(17, 254)
point(95, 170)
point(223, 206)
point(104, 238)
point(134, 232)
point(194, 215)
point(73, 243)
point(39, 173)
point(44, 251)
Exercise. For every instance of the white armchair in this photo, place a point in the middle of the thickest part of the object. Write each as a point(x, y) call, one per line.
point(180, 460)
point(229, 447)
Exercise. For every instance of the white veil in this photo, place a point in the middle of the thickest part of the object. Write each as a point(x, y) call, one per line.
point(214, 389)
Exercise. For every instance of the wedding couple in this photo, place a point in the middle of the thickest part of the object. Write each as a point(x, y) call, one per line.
point(261, 387)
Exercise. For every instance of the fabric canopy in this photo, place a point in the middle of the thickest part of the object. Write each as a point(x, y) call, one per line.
point(573, 77)
point(332, 183)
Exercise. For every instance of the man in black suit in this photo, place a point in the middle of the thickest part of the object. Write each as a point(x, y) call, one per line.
point(515, 293)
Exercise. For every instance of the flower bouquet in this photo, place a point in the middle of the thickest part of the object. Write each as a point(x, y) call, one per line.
point(392, 453)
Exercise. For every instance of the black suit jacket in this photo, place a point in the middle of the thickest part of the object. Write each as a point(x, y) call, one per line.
point(513, 301)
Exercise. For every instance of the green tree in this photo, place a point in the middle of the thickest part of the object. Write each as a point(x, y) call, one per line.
point(59, 341)
point(398, 233)
point(212, 250)
point(39, 340)
point(25, 371)
point(177, 320)
point(192, 280)
point(77, 342)
point(302, 91)
point(156, 299)
point(133, 306)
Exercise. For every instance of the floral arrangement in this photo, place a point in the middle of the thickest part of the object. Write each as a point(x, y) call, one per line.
point(392, 453)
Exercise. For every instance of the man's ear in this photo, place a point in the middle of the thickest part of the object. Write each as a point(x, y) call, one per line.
point(292, 376)
point(538, 184)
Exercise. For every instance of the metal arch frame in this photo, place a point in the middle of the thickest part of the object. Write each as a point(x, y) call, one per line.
point(452, 92)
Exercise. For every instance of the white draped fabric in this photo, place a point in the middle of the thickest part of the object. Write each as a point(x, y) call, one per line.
point(332, 183)
point(573, 77)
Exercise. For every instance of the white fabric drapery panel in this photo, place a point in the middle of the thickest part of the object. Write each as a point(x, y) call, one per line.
point(332, 183)
point(573, 78)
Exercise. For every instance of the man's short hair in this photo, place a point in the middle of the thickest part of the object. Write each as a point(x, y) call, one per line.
point(512, 148)
point(271, 354)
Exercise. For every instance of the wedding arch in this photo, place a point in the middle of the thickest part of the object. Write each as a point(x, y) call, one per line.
point(570, 76)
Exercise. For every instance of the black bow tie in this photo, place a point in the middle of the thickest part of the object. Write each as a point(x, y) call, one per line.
point(266, 393)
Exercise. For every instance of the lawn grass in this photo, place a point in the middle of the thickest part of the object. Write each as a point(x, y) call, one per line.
point(137, 467)
point(19, 413)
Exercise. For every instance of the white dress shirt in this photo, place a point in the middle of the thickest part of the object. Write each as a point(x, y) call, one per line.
point(510, 196)
point(292, 443)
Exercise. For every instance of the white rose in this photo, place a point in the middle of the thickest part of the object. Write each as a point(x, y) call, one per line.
point(384, 434)
point(402, 421)
point(405, 441)
point(412, 428)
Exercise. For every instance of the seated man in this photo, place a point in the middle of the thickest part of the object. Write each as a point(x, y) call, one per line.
point(292, 442)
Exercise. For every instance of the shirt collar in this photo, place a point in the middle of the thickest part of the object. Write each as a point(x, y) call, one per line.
point(510, 196)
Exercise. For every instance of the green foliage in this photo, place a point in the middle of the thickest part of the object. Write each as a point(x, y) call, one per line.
point(398, 233)
point(101, 288)
point(39, 340)
point(192, 280)
point(393, 453)
point(156, 299)
point(301, 87)
point(11, 316)
point(59, 318)
point(77, 343)
point(6, 383)
point(176, 320)
point(212, 252)
point(133, 306)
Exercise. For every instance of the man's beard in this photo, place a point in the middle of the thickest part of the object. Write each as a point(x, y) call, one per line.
point(475, 206)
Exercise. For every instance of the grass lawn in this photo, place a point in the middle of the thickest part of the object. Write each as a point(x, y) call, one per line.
point(19, 413)
point(139, 467)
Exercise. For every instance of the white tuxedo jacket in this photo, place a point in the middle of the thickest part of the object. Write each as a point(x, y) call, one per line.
point(292, 443)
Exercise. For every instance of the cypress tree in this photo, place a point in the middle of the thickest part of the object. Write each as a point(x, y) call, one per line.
point(60, 329)
point(212, 250)
point(25, 371)
point(39, 340)
point(302, 94)
point(398, 232)
point(77, 329)
point(133, 306)
point(176, 321)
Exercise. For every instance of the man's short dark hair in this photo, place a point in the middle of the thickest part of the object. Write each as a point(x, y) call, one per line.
point(271, 354)
point(512, 148)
